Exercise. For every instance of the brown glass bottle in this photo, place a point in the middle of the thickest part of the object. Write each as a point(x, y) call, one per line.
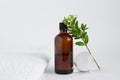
point(63, 51)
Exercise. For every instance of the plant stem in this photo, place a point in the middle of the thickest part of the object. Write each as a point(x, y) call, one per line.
point(92, 56)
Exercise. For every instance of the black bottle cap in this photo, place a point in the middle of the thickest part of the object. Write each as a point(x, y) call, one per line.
point(62, 26)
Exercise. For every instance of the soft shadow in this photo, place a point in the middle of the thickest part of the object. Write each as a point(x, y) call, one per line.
point(49, 70)
point(50, 67)
point(43, 57)
point(40, 56)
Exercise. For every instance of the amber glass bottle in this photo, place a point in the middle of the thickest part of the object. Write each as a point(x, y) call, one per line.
point(63, 51)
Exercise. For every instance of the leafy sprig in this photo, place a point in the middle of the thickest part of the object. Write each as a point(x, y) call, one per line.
point(78, 32)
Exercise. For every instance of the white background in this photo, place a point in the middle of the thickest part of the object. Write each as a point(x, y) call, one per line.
point(28, 25)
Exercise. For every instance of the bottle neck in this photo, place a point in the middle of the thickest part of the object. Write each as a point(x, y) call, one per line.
point(63, 30)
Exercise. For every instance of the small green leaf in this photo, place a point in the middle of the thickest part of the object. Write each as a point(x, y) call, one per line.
point(86, 28)
point(73, 21)
point(74, 35)
point(86, 39)
point(76, 24)
point(83, 34)
point(83, 26)
point(77, 38)
point(79, 43)
point(79, 31)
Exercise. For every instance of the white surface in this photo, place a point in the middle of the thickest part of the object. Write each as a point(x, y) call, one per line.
point(103, 74)
point(21, 67)
point(28, 25)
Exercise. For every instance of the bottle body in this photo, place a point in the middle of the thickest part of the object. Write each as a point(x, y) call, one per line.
point(63, 53)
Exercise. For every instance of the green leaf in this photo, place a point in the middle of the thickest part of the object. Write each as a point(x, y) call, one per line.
point(83, 27)
point(79, 43)
point(73, 35)
point(86, 39)
point(76, 25)
point(79, 31)
point(77, 38)
point(74, 19)
point(83, 34)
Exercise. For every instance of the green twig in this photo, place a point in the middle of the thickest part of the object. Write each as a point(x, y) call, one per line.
point(78, 33)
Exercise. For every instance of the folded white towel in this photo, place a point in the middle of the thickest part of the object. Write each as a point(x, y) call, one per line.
point(21, 67)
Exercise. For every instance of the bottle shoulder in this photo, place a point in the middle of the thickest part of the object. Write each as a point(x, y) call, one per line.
point(64, 36)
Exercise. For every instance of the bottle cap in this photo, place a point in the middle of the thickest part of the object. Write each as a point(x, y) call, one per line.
point(62, 26)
